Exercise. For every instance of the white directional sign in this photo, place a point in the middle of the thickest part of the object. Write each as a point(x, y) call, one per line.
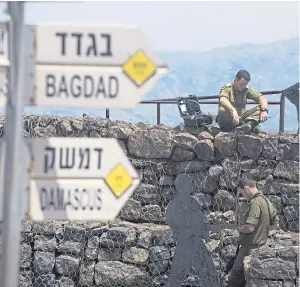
point(90, 87)
point(23, 202)
point(29, 53)
point(3, 85)
point(79, 179)
point(93, 66)
point(4, 63)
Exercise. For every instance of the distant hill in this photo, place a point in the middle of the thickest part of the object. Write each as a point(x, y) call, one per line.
point(272, 66)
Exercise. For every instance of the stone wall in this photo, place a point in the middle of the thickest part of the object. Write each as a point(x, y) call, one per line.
point(276, 267)
point(137, 248)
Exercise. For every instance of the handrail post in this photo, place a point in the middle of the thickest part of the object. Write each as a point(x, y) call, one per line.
point(281, 117)
point(107, 113)
point(158, 113)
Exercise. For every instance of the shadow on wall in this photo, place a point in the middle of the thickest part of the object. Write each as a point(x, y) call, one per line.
point(189, 227)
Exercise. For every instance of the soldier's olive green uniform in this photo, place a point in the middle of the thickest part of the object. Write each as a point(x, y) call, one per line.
point(261, 214)
point(238, 100)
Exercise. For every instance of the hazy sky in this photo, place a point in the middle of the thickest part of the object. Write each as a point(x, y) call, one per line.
point(194, 26)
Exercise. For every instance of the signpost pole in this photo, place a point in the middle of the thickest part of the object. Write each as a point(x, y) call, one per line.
point(13, 144)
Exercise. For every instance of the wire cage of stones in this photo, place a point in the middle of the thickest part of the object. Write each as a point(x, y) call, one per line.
point(138, 247)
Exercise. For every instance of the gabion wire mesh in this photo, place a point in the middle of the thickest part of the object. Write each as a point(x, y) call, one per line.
point(138, 247)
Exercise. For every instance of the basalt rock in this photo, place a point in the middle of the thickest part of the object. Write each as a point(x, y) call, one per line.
point(137, 248)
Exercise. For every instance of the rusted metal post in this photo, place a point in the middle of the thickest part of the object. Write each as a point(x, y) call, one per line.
point(158, 113)
point(281, 117)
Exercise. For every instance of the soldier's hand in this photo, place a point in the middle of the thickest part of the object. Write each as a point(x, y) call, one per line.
point(236, 118)
point(263, 117)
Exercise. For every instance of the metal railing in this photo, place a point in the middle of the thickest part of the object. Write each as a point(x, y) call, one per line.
point(202, 100)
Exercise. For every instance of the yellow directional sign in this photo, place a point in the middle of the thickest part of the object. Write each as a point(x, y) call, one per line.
point(139, 68)
point(118, 180)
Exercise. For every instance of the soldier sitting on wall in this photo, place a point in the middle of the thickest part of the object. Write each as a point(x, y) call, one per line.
point(232, 111)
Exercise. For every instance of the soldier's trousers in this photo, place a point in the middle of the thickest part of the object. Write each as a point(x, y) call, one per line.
point(225, 117)
point(237, 277)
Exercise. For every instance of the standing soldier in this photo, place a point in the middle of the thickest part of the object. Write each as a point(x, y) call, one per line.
point(232, 105)
point(260, 219)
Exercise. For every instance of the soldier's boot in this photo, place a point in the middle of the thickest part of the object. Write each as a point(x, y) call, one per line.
point(246, 127)
point(257, 130)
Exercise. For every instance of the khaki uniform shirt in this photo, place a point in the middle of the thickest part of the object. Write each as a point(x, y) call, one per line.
point(258, 216)
point(239, 99)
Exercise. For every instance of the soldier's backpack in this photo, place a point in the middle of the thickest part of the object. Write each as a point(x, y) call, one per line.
point(190, 112)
